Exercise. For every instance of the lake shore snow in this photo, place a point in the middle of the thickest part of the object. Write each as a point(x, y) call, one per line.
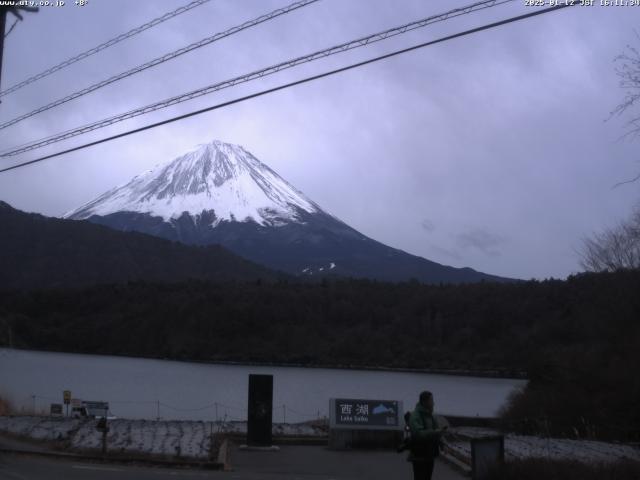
point(196, 439)
point(167, 438)
point(520, 447)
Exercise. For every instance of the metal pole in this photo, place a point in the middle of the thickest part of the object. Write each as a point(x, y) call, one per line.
point(104, 433)
point(3, 21)
point(104, 440)
point(33, 397)
point(284, 414)
point(158, 410)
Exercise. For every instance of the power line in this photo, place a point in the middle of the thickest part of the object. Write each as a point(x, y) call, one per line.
point(162, 59)
point(360, 42)
point(102, 46)
point(15, 22)
point(198, 409)
point(297, 82)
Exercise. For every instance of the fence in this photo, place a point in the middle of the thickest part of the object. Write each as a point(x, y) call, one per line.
point(159, 410)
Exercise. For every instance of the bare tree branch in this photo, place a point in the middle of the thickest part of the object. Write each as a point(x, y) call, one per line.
point(633, 180)
point(614, 249)
point(628, 71)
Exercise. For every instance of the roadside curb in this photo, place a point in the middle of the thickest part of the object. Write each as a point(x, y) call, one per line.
point(123, 460)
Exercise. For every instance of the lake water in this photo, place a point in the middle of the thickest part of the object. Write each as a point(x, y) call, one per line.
point(142, 388)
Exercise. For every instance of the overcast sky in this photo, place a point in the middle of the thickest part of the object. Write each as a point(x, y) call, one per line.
point(489, 151)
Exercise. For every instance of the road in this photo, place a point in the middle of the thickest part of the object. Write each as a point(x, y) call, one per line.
point(290, 463)
point(19, 467)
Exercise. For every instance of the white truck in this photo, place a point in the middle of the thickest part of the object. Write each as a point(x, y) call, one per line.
point(90, 409)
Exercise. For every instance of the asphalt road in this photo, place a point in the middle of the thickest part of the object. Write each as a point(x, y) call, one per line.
point(20, 467)
point(319, 463)
point(290, 463)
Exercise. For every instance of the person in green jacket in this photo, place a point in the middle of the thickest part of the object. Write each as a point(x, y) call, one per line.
point(425, 437)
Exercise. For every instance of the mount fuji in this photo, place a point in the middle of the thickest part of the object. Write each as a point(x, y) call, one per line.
point(220, 193)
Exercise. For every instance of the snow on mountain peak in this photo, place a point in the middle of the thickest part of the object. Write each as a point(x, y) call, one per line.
point(216, 176)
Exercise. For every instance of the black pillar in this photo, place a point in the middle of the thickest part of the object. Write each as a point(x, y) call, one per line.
point(260, 410)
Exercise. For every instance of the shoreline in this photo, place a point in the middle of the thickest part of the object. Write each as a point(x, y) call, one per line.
point(498, 374)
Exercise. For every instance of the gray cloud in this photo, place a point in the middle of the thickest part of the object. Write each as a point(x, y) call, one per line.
point(428, 225)
point(478, 238)
point(451, 254)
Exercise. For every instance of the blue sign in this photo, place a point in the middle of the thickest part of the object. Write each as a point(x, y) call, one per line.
point(366, 413)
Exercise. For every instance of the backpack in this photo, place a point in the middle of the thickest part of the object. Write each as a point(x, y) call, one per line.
point(405, 444)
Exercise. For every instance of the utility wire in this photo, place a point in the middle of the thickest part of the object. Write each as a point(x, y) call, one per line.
point(12, 27)
point(198, 409)
point(360, 42)
point(134, 401)
point(297, 82)
point(102, 46)
point(161, 59)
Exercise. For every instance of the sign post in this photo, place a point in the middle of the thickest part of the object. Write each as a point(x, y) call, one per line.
point(66, 397)
point(103, 426)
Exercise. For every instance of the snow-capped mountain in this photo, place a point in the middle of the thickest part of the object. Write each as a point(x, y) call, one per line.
point(220, 193)
point(217, 177)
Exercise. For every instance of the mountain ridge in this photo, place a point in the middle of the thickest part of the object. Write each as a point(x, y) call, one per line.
point(220, 193)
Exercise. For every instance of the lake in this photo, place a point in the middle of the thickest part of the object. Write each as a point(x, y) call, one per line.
point(145, 388)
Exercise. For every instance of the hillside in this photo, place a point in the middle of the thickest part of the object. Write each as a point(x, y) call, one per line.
point(42, 252)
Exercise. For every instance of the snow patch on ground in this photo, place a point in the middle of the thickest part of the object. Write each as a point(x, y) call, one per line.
point(178, 438)
point(170, 438)
point(525, 446)
point(40, 428)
